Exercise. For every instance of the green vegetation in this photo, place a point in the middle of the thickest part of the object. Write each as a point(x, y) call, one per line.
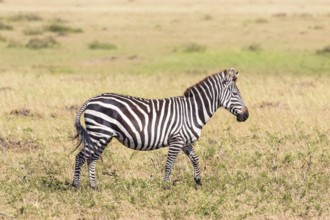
point(2, 39)
point(194, 47)
point(40, 43)
point(273, 166)
point(62, 29)
point(325, 50)
point(25, 17)
point(96, 45)
point(33, 31)
point(4, 26)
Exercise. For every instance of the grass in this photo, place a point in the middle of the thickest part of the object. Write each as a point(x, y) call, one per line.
point(2, 39)
point(25, 17)
point(324, 51)
point(193, 48)
point(96, 45)
point(62, 29)
point(41, 43)
point(273, 166)
point(33, 31)
point(4, 26)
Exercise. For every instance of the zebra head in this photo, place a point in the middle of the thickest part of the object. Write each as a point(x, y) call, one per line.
point(231, 98)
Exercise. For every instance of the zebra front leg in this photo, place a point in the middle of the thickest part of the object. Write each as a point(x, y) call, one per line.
point(173, 151)
point(189, 151)
point(80, 160)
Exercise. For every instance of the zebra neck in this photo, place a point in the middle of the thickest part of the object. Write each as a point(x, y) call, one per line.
point(201, 107)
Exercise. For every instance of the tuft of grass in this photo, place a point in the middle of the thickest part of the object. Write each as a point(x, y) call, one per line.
point(14, 44)
point(25, 17)
point(62, 29)
point(96, 45)
point(261, 21)
point(194, 48)
point(33, 31)
point(207, 17)
point(254, 48)
point(41, 43)
point(4, 26)
point(2, 39)
point(324, 51)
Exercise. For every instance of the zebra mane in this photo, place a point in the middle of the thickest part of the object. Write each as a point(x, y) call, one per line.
point(224, 74)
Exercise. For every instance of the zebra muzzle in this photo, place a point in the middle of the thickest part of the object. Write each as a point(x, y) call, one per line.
point(243, 115)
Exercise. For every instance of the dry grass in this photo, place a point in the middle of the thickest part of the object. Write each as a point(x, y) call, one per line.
point(275, 165)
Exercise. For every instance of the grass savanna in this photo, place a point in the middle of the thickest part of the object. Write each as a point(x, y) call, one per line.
point(275, 165)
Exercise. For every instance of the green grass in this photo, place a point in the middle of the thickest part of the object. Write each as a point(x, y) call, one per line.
point(24, 17)
point(4, 26)
point(62, 29)
point(96, 45)
point(41, 43)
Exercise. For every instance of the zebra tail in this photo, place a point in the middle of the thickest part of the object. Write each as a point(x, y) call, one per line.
point(81, 133)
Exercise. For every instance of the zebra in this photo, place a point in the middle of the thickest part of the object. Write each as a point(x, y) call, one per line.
point(149, 124)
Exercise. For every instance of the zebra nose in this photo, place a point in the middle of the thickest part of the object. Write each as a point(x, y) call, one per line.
point(243, 115)
point(246, 113)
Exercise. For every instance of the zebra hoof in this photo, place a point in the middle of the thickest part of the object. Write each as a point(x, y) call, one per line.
point(95, 188)
point(75, 184)
point(198, 182)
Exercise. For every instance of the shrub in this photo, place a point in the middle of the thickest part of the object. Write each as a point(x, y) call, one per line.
point(25, 17)
point(14, 44)
point(34, 31)
point(96, 45)
point(2, 39)
point(324, 51)
point(37, 43)
point(4, 26)
point(193, 47)
point(62, 29)
point(254, 47)
point(261, 21)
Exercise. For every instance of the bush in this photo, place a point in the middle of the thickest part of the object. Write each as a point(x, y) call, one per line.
point(2, 39)
point(25, 17)
point(96, 45)
point(37, 43)
point(254, 48)
point(4, 26)
point(324, 51)
point(35, 31)
point(261, 21)
point(14, 44)
point(62, 29)
point(193, 47)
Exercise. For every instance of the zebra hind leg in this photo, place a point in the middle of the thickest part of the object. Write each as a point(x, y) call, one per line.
point(80, 160)
point(189, 151)
point(93, 159)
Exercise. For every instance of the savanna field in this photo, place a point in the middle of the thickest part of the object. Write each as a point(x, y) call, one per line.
point(54, 56)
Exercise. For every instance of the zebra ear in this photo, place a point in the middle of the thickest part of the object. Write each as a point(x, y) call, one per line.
point(235, 76)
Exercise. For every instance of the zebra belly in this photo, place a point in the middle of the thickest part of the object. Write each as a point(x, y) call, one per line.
point(143, 144)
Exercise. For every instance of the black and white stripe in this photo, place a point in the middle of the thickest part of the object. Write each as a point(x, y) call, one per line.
point(148, 124)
